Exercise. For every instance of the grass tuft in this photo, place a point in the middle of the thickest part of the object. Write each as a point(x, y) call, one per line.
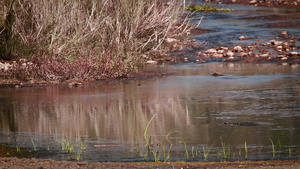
point(79, 40)
point(197, 8)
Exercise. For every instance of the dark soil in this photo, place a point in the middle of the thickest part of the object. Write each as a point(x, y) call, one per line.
point(24, 163)
point(142, 75)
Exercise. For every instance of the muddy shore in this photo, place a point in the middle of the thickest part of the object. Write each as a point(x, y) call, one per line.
point(24, 163)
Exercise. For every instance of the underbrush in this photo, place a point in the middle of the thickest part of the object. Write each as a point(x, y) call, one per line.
point(64, 39)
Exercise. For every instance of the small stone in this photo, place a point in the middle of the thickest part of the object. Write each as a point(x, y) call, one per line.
point(294, 53)
point(274, 42)
point(171, 40)
point(170, 3)
point(251, 48)
point(281, 56)
point(220, 51)
point(217, 55)
point(231, 58)
point(185, 59)
point(242, 38)
point(263, 44)
point(74, 84)
point(253, 2)
point(211, 51)
point(279, 48)
point(229, 54)
point(238, 48)
point(255, 55)
point(5, 66)
point(223, 48)
point(202, 54)
point(217, 74)
point(284, 33)
point(264, 55)
point(151, 62)
point(284, 58)
point(243, 54)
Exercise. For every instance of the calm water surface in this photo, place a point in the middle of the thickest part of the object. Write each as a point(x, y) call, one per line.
point(191, 106)
point(110, 119)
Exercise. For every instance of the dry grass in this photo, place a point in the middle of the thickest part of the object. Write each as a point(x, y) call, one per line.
point(105, 38)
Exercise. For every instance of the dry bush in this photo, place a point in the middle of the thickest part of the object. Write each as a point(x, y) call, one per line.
point(116, 31)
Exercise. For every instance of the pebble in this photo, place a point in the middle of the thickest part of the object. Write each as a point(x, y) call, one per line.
point(211, 51)
point(264, 55)
point(223, 48)
point(279, 48)
point(5, 66)
point(151, 62)
point(284, 33)
point(243, 54)
point(231, 58)
point(229, 54)
point(238, 48)
point(274, 42)
point(202, 54)
point(281, 56)
point(251, 48)
point(294, 53)
point(216, 55)
point(255, 55)
point(243, 37)
point(217, 74)
point(171, 40)
point(221, 51)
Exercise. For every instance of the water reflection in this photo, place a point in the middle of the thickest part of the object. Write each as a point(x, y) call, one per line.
point(192, 102)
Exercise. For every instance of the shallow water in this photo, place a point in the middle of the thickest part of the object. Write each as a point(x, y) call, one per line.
point(255, 22)
point(110, 119)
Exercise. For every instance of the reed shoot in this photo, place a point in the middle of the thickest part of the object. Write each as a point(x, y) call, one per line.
point(246, 150)
point(206, 152)
point(146, 137)
point(225, 151)
point(273, 147)
point(166, 154)
point(34, 146)
point(186, 153)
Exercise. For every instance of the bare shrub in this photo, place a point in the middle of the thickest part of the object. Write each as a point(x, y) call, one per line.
point(117, 31)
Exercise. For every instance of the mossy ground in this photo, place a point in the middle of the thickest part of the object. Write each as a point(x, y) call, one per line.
point(197, 8)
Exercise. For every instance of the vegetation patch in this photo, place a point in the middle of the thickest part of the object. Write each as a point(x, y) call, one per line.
point(198, 8)
point(63, 40)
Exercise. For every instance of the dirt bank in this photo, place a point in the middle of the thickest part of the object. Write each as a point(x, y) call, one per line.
point(46, 163)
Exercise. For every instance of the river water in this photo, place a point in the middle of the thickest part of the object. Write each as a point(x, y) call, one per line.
point(189, 111)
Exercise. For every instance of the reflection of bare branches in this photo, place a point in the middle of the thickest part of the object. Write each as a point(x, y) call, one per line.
point(121, 111)
point(97, 112)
